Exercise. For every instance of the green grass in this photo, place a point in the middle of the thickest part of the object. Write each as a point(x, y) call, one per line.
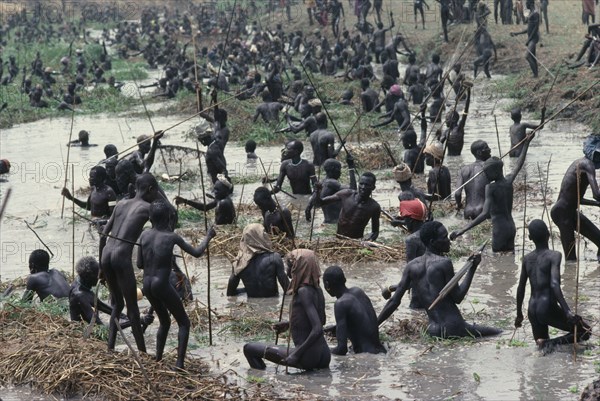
point(250, 328)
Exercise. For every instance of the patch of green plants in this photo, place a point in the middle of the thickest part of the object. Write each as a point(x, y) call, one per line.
point(255, 379)
point(249, 327)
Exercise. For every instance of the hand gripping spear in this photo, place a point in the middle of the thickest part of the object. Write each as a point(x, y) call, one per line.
point(454, 280)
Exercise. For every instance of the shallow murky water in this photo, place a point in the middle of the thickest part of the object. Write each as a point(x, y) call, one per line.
point(408, 370)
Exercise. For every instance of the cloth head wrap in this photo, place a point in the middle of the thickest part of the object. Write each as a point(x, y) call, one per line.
point(435, 149)
point(254, 241)
point(591, 149)
point(305, 269)
point(402, 173)
point(396, 90)
point(415, 209)
point(315, 102)
point(224, 181)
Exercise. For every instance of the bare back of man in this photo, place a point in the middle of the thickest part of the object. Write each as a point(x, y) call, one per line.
point(564, 212)
point(445, 319)
point(260, 277)
point(356, 320)
point(125, 226)
point(46, 283)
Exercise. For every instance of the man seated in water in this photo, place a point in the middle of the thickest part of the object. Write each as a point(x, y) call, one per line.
point(307, 317)
point(257, 266)
point(547, 305)
point(44, 281)
point(83, 140)
point(358, 208)
point(102, 200)
point(428, 275)
point(83, 304)
point(355, 318)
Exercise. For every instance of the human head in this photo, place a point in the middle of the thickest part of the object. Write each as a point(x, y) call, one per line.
point(84, 137)
point(334, 280)
point(250, 146)
point(366, 185)
point(143, 143)
point(530, 4)
point(98, 176)
point(452, 118)
point(396, 90)
point(435, 237)
point(110, 150)
point(4, 166)
point(435, 58)
point(434, 151)
point(402, 173)
point(347, 95)
point(221, 116)
point(515, 114)
point(333, 168)
point(315, 105)
point(492, 168)
point(591, 149)
point(303, 269)
point(538, 231)
point(480, 150)
point(321, 120)
point(159, 214)
point(222, 187)
point(409, 139)
point(110, 167)
point(364, 83)
point(414, 213)
point(293, 149)
point(262, 198)
point(87, 269)
point(39, 261)
point(411, 58)
point(147, 187)
point(125, 175)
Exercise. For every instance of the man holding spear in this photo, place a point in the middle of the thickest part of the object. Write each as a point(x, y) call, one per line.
point(429, 275)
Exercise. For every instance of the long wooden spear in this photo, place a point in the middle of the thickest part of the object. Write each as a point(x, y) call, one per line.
point(577, 264)
point(73, 220)
point(62, 210)
point(454, 280)
point(207, 250)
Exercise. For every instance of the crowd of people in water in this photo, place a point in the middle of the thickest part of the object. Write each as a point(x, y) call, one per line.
point(275, 66)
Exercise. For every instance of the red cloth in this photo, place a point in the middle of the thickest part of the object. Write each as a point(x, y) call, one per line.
point(414, 209)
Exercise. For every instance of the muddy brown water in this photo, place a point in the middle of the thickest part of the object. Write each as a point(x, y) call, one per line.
point(421, 370)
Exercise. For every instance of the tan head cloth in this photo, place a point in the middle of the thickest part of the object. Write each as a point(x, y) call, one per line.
point(402, 172)
point(305, 269)
point(254, 241)
point(435, 149)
